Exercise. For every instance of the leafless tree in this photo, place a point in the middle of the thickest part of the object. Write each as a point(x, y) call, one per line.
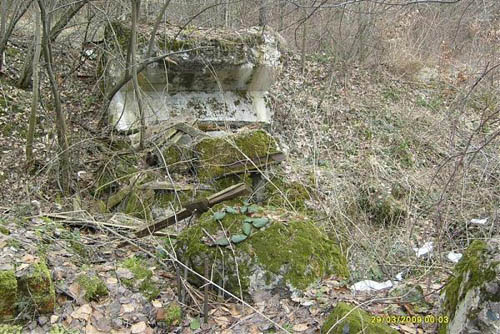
point(55, 31)
point(36, 87)
point(136, 5)
point(60, 118)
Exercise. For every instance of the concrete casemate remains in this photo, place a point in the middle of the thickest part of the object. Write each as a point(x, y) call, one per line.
point(223, 75)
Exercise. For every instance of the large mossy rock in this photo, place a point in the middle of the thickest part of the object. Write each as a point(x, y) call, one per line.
point(471, 299)
point(284, 252)
point(347, 320)
point(219, 156)
point(36, 288)
point(30, 289)
point(8, 295)
point(222, 76)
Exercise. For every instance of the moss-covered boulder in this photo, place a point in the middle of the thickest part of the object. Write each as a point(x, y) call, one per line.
point(36, 289)
point(219, 156)
point(346, 318)
point(8, 295)
point(252, 248)
point(28, 290)
point(471, 298)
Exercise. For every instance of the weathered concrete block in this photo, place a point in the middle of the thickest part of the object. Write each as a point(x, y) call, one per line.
point(224, 79)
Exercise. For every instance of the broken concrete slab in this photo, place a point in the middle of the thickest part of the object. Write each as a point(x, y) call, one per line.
point(223, 76)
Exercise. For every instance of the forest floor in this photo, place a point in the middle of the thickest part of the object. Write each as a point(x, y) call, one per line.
point(382, 151)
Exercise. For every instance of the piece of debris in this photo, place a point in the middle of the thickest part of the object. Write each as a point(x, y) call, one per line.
point(369, 285)
point(482, 221)
point(426, 249)
point(454, 257)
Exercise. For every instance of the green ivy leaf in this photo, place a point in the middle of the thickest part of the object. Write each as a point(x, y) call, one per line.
point(237, 238)
point(219, 215)
point(260, 222)
point(231, 210)
point(243, 209)
point(222, 241)
point(247, 228)
point(253, 208)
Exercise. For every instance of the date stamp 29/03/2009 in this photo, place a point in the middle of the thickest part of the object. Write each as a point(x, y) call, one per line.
point(407, 319)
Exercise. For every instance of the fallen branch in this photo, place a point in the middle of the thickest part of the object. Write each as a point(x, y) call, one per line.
point(196, 206)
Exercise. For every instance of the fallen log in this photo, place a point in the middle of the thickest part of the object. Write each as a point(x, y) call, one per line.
point(198, 206)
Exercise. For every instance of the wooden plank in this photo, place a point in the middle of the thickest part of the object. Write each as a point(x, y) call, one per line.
point(243, 166)
point(198, 206)
point(166, 185)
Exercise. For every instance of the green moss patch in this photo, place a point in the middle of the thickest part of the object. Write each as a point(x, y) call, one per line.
point(8, 294)
point(222, 155)
point(4, 230)
point(345, 316)
point(94, 287)
point(173, 314)
point(11, 329)
point(138, 203)
point(281, 194)
point(142, 278)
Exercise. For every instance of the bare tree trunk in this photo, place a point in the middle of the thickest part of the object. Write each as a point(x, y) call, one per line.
point(25, 77)
point(36, 86)
point(226, 14)
point(281, 5)
point(60, 121)
point(136, 4)
point(262, 13)
point(303, 46)
point(3, 24)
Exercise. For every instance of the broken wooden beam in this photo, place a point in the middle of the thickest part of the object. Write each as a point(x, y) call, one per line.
point(253, 164)
point(197, 206)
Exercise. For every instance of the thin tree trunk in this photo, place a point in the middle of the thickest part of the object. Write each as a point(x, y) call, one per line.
point(226, 14)
point(138, 67)
point(3, 24)
point(36, 85)
point(25, 77)
point(133, 47)
point(282, 14)
point(303, 46)
point(60, 121)
point(262, 13)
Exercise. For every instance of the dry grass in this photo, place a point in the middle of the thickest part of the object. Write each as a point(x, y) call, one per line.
point(384, 157)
